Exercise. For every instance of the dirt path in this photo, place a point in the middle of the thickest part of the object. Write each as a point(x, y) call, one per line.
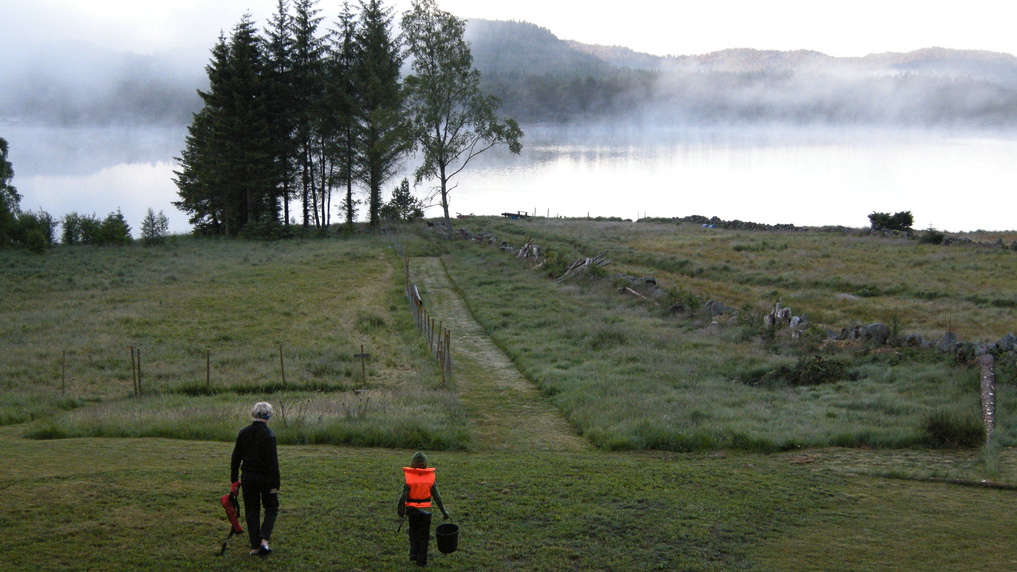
point(508, 412)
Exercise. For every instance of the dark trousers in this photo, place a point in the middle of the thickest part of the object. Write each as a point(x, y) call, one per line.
point(420, 534)
point(256, 495)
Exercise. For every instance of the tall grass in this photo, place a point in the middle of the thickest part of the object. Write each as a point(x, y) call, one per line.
point(220, 319)
point(839, 278)
point(631, 377)
point(423, 419)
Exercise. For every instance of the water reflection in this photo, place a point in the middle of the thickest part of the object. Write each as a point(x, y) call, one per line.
point(807, 177)
point(97, 170)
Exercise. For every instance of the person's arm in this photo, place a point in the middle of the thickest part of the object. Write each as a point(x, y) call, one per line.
point(235, 462)
point(437, 498)
point(401, 508)
point(273, 463)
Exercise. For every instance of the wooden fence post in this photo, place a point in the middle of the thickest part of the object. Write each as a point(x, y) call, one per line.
point(448, 352)
point(282, 366)
point(134, 374)
point(140, 390)
point(363, 362)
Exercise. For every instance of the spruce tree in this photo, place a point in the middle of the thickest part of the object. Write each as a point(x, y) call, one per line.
point(199, 179)
point(227, 177)
point(307, 57)
point(341, 101)
point(383, 131)
point(281, 95)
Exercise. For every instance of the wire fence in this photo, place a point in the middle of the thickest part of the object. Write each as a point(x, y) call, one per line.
point(439, 338)
point(177, 371)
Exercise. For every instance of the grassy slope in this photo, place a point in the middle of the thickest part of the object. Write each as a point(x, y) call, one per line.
point(217, 315)
point(130, 504)
point(629, 375)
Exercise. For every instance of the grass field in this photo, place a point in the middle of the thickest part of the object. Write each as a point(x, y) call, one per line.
point(544, 440)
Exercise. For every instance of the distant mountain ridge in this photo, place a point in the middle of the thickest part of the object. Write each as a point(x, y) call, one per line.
point(973, 63)
point(521, 47)
point(540, 77)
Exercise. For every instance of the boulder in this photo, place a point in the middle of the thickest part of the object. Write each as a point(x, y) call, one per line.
point(911, 340)
point(799, 322)
point(877, 333)
point(717, 308)
point(1007, 343)
point(948, 343)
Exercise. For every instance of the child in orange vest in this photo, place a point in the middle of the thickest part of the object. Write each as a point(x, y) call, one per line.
point(418, 490)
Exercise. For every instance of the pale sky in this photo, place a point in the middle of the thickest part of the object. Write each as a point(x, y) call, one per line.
point(678, 27)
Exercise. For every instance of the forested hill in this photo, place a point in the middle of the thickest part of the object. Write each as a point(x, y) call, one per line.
point(990, 66)
point(543, 78)
point(527, 49)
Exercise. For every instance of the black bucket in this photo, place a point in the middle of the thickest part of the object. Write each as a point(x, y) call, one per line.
point(447, 536)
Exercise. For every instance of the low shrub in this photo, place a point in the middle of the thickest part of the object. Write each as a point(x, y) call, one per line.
point(901, 221)
point(808, 371)
point(932, 236)
point(949, 430)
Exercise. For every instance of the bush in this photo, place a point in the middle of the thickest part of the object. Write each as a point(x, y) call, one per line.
point(403, 205)
point(901, 221)
point(154, 228)
point(932, 236)
point(948, 430)
point(265, 230)
point(114, 230)
point(88, 229)
point(34, 231)
point(809, 371)
point(556, 263)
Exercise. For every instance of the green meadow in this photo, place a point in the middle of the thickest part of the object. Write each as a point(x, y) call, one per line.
point(590, 423)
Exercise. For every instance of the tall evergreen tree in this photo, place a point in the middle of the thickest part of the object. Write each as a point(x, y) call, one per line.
point(281, 94)
point(452, 120)
point(383, 131)
point(308, 60)
point(227, 177)
point(199, 179)
point(342, 99)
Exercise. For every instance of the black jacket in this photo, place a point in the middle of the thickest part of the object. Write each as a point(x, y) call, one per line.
point(255, 453)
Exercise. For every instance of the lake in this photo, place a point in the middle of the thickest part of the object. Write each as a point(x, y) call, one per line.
point(950, 180)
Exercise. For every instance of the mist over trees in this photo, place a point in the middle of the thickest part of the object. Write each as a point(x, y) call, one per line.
point(31, 230)
point(280, 120)
point(81, 84)
point(452, 120)
point(540, 78)
point(296, 115)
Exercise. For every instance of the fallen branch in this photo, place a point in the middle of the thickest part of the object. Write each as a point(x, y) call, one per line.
point(528, 249)
point(634, 293)
point(583, 264)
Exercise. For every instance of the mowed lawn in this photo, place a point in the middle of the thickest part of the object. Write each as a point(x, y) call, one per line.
point(152, 504)
point(91, 503)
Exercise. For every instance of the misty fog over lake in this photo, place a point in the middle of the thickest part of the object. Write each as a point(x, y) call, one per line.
point(950, 180)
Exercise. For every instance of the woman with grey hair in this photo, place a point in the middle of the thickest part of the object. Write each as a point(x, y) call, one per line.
point(255, 455)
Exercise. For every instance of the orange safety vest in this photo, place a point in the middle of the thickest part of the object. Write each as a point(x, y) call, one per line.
point(419, 481)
